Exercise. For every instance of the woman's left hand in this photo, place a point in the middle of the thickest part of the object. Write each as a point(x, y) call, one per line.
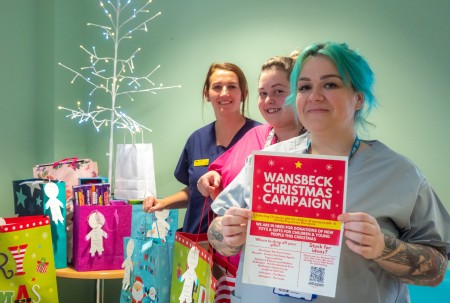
point(363, 234)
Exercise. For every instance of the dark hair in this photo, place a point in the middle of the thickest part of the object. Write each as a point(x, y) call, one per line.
point(232, 68)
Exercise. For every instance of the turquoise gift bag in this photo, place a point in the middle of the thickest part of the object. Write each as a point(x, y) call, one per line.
point(45, 197)
point(147, 271)
point(144, 225)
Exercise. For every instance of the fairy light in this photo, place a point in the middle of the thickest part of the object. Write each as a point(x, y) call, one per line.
point(106, 73)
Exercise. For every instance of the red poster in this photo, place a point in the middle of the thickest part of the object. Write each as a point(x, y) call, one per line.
point(295, 201)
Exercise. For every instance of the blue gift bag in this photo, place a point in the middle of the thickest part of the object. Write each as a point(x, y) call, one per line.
point(158, 225)
point(147, 271)
point(45, 197)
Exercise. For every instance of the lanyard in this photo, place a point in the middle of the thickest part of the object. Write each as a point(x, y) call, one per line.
point(355, 147)
point(270, 138)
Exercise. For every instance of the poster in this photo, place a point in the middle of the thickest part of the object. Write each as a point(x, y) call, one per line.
point(294, 238)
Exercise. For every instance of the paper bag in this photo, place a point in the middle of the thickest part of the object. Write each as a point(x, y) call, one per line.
point(224, 273)
point(192, 279)
point(27, 268)
point(45, 197)
point(147, 271)
point(68, 170)
point(134, 172)
point(98, 235)
point(160, 224)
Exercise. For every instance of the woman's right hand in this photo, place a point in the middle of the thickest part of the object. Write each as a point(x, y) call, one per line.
point(152, 204)
point(208, 183)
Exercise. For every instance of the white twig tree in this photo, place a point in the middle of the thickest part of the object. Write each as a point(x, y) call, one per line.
point(114, 74)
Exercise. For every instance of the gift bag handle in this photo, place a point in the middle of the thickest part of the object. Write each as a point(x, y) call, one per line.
point(211, 250)
point(203, 211)
point(133, 138)
point(149, 243)
point(73, 159)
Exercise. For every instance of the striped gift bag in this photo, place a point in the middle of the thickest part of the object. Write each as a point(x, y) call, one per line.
point(225, 275)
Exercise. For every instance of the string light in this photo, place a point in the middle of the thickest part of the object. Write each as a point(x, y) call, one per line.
point(106, 73)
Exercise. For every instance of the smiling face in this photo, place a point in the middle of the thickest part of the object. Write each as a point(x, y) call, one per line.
point(224, 92)
point(324, 102)
point(272, 91)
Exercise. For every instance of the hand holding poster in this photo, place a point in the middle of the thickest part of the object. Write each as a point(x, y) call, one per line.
point(294, 238)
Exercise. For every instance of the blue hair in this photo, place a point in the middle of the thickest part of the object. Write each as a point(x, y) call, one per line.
point(353, 69)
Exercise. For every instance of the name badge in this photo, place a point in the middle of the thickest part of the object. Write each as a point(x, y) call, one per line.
point(201, 162)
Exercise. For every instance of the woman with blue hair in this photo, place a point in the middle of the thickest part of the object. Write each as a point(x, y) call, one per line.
point(396, 230)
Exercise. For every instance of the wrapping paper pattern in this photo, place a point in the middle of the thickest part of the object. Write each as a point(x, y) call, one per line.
point(27, 268)
point(114, 228)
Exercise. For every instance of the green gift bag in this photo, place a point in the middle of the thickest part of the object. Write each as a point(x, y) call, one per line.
point(192, 278)
point(27, 268)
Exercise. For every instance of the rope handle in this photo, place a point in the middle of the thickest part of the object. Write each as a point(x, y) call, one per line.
point(152, 219)
point(146, 245)
point(211, 249)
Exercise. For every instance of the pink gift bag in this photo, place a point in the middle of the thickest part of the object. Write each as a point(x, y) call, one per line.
point(98, 235)
point(68, 170)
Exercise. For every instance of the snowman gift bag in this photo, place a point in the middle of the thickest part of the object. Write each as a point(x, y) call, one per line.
point(45, 197)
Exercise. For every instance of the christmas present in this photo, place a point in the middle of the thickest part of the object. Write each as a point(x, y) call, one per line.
point(134, 172)
point(192, 279)
point(45, 197)
point(157, 225)
point(98, 235)
point(147, 271)
point(27, 268)
point(224, 273)
point(68, 170)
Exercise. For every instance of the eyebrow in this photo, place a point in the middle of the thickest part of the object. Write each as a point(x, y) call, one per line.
point(275, 85)
point(224, 83)
point(327, 76)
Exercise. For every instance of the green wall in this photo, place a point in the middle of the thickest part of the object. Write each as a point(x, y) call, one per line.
point(406, 43)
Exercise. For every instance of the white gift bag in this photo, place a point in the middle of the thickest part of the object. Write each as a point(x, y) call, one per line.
point(135, 173)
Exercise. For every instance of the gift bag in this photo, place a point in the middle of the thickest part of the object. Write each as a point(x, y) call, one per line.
point(134, 172)
point(157, 225)
point(45, 197)
point(199, 273)
point(27, 268)
point(224, 273)
point(68, 170)
point(98, 235)
point(192, 279)
point(147, 271)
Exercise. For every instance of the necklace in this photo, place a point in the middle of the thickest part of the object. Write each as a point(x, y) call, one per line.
point(354, 149)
